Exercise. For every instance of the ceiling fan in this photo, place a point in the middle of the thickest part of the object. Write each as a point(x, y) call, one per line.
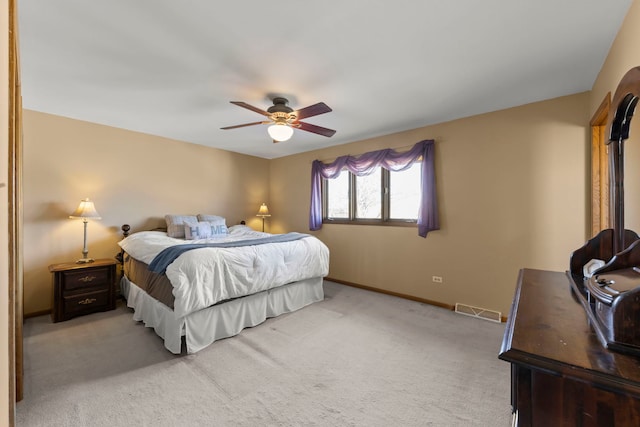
point(283, 119)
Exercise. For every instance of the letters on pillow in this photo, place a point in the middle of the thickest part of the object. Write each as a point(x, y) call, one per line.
point(175, 224)
point(197, 230)
point(193, 227)
point(218, 224)
point(204, 230)
point(219, 230)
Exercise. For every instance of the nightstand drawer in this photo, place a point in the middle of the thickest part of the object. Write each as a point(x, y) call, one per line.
point(87, 278)
point(92, 301)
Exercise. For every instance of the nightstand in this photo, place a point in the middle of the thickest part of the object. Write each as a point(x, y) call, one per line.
point(80, 289)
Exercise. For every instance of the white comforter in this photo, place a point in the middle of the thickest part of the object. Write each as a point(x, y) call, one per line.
point(205, 276)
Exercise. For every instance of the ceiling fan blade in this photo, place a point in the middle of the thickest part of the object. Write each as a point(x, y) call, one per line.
point(250, 107)
point(315, 129)
point(244, 125)
point(313, 110)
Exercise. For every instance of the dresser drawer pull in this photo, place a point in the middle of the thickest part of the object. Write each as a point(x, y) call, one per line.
point(87, 301)
point(86, 279)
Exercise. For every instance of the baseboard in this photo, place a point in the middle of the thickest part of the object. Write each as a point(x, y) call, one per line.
point(36, 313)
point(400, 295)
point(395, 294)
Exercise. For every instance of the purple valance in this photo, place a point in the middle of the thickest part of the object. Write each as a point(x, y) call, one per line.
point(366, 164)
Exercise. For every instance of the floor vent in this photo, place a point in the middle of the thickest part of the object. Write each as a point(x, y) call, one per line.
point(480, 313)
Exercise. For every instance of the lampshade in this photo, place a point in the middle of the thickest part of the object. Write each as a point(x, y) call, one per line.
point(86, 209)
point(263, 211)
point(280, 132)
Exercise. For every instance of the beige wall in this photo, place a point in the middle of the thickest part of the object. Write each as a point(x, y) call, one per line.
point(624, 55)
point(133, 178)
point(512, 191)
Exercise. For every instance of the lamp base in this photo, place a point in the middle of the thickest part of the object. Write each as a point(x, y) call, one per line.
point(84, 260)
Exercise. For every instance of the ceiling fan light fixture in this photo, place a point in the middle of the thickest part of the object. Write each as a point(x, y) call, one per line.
point(280, 132)
point(282, 119)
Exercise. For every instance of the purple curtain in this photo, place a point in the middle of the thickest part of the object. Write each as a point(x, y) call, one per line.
point(388, 159)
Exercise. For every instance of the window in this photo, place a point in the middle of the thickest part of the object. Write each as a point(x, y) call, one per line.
point(404, 193)
point(337, 196)
point(381, 197)
point(367, 192)
point(379, 187)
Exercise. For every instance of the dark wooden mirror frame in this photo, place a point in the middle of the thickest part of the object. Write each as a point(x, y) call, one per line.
point(609, 242)
point(622, 108)
point(610, 293)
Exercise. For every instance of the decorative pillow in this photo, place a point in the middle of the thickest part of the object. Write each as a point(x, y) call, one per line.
point(197, 230)
point(205, 229)
point(175, 224)
point(211, 218)
point(218, 224)
point(218, 229)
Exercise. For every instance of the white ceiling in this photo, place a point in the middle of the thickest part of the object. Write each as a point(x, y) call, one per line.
point(170, 68)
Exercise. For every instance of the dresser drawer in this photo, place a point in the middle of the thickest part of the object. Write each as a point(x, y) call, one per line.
point(90, 302)
point(86, 278)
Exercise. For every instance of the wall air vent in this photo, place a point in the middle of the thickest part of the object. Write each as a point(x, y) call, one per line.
point(480, 313)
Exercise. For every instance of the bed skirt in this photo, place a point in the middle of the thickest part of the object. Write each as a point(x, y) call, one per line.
point(203, 327)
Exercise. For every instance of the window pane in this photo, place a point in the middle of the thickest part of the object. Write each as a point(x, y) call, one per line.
point(369, 196)
point(404, 193)
point(338, 196)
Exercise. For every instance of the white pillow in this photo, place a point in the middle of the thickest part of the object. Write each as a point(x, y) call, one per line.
point(211, 218)
point(197, 230)
point(175, 224)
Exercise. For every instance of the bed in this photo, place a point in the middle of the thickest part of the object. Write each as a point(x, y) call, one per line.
point(199, 281)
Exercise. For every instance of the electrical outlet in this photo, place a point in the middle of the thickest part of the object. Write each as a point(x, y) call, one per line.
point(436, 279)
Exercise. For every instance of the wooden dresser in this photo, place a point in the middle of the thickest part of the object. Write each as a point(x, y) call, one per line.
point(560, 373)
point(80, 289)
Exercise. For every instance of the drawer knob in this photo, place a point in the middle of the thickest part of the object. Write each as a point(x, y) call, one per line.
point(87, 301)
point(87, 278)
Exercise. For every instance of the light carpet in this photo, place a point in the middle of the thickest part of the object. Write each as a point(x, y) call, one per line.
point(358, 358)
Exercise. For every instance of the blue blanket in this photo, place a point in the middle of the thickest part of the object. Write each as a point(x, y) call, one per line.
point(168, 255)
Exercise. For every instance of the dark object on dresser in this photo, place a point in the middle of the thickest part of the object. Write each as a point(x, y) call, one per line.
point(80, 289)
point(560, 374)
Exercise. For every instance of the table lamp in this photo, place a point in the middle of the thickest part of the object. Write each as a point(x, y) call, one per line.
point(85, 210)
point(263, 212)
